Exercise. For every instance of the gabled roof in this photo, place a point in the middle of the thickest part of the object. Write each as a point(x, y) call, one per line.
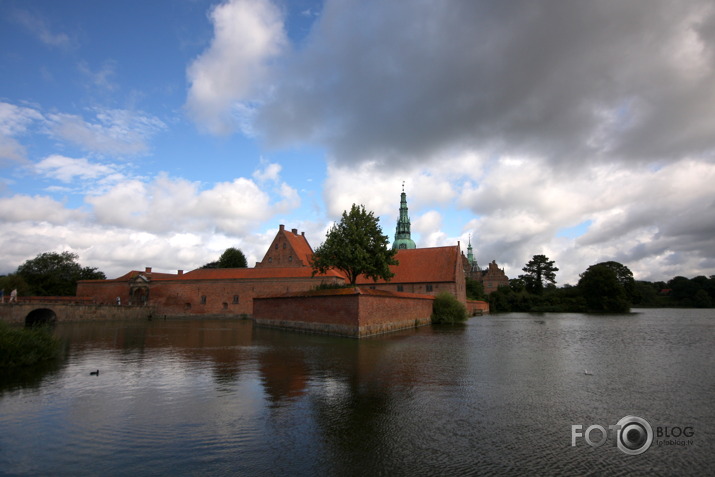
point(253, 273)
point(423, 265)
point(300, 245)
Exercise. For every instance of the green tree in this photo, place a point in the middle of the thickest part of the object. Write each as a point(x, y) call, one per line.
point(356, 246)
point(447, 309)
point(232, 258)
point(540, 272)
point(55, 274)
point(602, 290)
point(475, 289)
point(624, 277)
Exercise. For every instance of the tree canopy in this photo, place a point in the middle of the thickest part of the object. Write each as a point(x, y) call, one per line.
point(540, 271)
point(356, 246)
point(602, 289)
point(55, 274)
point(230, 258)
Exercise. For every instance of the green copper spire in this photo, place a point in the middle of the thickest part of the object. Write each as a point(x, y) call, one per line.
point(470, 255)
point(402, 234)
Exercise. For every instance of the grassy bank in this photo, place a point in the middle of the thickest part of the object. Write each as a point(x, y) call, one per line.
point(25, 346)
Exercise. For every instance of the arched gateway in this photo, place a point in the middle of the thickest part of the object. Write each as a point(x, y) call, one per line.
point(41, 316)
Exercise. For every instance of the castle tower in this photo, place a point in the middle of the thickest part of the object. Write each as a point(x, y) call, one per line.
point(403, 237)
point(470, 255)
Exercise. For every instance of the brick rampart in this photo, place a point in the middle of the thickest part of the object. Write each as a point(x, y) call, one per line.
point(349, 312)
point(223, 297)
point(18, 313)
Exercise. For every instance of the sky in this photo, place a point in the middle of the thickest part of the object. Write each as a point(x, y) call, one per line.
point(157, 134)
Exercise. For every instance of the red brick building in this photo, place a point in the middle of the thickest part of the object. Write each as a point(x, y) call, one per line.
point(427, 271)
point(285, 268)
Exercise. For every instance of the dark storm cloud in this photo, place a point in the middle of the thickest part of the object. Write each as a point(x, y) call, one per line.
point(568, 81)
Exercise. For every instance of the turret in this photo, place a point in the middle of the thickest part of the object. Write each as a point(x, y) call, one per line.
point(403, 237)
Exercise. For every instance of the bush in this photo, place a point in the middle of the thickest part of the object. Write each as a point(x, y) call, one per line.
point(26, 346)
point(447, 309)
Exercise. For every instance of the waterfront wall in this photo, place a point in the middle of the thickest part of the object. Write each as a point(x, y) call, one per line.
point(66, 312)
point(351, 312)
point(187, 297)
point(477, 307)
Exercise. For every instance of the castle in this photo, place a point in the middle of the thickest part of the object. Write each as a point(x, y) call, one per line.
point(285, 268)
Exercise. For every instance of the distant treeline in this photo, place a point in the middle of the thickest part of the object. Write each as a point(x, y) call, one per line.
point(606, 287)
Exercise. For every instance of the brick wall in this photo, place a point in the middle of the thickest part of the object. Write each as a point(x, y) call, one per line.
point(200, 297)
point(348, 312)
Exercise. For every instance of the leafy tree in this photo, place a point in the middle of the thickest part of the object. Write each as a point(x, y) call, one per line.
point(447, 309)
point(14, 282)
point(540, 271)
point(602, 290)
point(624, 277)
point(475, 289)
point(357, 247)
point(55, 274)
point(232, 258)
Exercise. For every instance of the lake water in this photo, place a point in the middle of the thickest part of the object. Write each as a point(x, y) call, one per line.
point(498, 395)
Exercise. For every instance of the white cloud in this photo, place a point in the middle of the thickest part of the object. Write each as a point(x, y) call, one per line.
point(38, 209)
point(270, 172)
point(15, 121)
point(247, 34)
point(67, 169)
point(38, 27)
point(115, 131)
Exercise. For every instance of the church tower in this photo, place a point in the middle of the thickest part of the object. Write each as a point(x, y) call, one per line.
point(403, 237)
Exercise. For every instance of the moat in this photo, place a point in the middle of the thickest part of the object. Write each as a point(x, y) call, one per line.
point(498, 395)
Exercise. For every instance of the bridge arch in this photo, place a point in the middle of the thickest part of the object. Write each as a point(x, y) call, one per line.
point(41, 316)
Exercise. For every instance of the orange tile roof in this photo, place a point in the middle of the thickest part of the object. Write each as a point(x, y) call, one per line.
point(300, 246)
point(135, 273)
point(423, 265)
point(253, 273)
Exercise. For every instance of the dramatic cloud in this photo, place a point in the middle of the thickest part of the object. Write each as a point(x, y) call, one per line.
point(572, 82)
point(247, 34)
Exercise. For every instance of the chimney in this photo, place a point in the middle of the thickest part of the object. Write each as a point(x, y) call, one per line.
point(281, 228)
point(295, 231)
point(147, 270)
point(303, 234)
point(180, 272)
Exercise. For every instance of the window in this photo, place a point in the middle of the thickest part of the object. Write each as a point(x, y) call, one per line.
point(203, 299)
point(270, 259)
point(400, 288)
point(290, 258)
point(284, 245)
point(235, 299)
point(276, 246)
point(428, 287)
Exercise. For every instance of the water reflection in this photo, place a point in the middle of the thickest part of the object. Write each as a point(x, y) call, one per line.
point(497, 395)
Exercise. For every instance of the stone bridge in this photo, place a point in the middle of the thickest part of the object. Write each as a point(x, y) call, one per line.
point(33, 312)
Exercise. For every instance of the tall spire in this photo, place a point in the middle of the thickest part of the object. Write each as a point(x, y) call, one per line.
point(403, 237)
point(470, 255)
